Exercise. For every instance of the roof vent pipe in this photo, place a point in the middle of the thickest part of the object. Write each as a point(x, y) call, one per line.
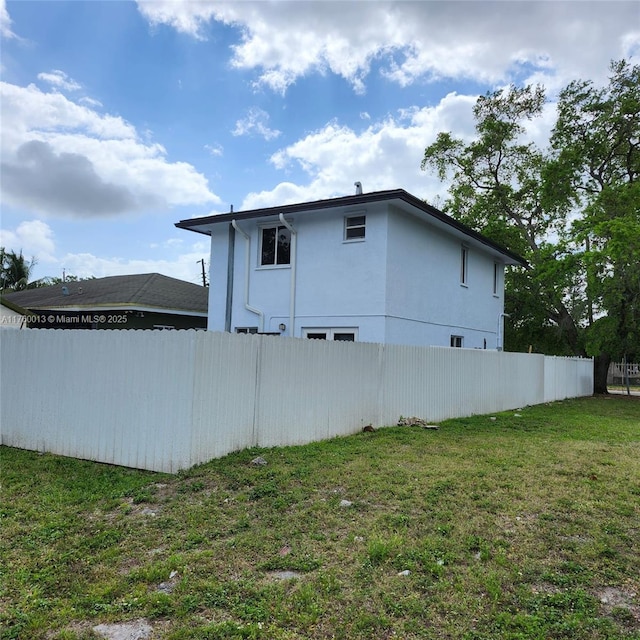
point(358, 186)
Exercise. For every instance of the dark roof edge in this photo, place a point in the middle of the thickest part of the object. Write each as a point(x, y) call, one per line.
point(13, 306)
point(192, 224)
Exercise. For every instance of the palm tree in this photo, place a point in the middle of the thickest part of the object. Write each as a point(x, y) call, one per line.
point(15, 270)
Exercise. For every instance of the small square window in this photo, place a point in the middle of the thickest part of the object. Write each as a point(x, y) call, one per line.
point(456, 341)
point(246, 329)
point(354, 227)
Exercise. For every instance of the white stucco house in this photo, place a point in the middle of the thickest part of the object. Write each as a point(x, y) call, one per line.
point(375, 267)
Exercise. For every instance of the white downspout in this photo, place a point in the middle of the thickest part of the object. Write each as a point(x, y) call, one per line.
point(247, 267)
point(499, 337)
point(292, 295)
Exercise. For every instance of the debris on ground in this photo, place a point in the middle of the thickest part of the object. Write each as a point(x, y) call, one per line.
point(415, 422)
point(169, 585)
point(285, 575)
point(258, 462)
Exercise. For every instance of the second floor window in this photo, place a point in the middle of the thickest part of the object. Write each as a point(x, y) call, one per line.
point(464, 266)
point(275, 246)
point(354, 227)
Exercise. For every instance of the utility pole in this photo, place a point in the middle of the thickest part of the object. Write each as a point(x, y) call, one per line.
point(204, 275)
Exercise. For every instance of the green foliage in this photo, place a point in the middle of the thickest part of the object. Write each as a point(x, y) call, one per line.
point(15, 271)
point(573, 211)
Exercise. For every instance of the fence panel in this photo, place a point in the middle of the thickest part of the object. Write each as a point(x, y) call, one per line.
point(223, 394)
point(119, 398)
point(314, 389)
point(438, 383)
point(168, 400)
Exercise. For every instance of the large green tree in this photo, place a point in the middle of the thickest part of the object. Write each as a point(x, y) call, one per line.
point(596, 172)
point(579, 234)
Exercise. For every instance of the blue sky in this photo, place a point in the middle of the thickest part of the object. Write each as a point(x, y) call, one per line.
point(121, 118)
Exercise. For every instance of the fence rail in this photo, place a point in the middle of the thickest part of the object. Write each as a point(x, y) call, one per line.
point(620, 372)
point(166, 401)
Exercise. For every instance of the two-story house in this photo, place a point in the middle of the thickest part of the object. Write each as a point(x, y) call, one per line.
point(375, 267)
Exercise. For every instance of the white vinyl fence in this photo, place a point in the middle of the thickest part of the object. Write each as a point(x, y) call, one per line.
point(167, 400)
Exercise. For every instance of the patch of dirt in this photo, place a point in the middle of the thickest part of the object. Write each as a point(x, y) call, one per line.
point(136, 630)
point(612, 598)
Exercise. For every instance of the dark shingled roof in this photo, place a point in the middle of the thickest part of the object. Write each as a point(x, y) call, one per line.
point(150, 290)
point(398, 197)
point(13, 306)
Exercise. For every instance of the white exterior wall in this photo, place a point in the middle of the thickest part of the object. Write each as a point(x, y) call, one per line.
point(167, 400)
point(426, 302)
point(400, 285)
point(338, 283)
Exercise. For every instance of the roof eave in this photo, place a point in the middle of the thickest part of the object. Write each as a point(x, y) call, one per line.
point(199, 225)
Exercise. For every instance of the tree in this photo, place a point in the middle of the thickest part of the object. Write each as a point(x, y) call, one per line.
point(597, 171)
point(15, 271)
point(579, 294)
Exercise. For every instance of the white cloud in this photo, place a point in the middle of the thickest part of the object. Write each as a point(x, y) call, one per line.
point(60, 80)
point(186, 17)
point(630, 45)
point(255, 122)
point(5, 21)
point(492, 42)
point(64, 159)
point(385, 155)
point(33, 238)
point(185, 266)
point(36, 238)
point(214, 149)
point(90, 102)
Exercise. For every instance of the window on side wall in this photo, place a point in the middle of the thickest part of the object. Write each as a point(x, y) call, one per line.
point(496, 278)
point(456, 341)
point(275, 246)
point(355, 227)
point(464, 265)
point(337, 335)
point(246, 329)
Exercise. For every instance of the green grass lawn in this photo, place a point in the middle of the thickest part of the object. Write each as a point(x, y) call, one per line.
point(522, 527)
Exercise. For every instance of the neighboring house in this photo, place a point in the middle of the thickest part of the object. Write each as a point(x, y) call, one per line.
point(12, 316)
point(147, 301)
point(377, 267)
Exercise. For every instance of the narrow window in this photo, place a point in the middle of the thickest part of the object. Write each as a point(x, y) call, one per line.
point(464, 265)
point(456, 341)
point(354, 227)
point(496, 277)
point(275, 247)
